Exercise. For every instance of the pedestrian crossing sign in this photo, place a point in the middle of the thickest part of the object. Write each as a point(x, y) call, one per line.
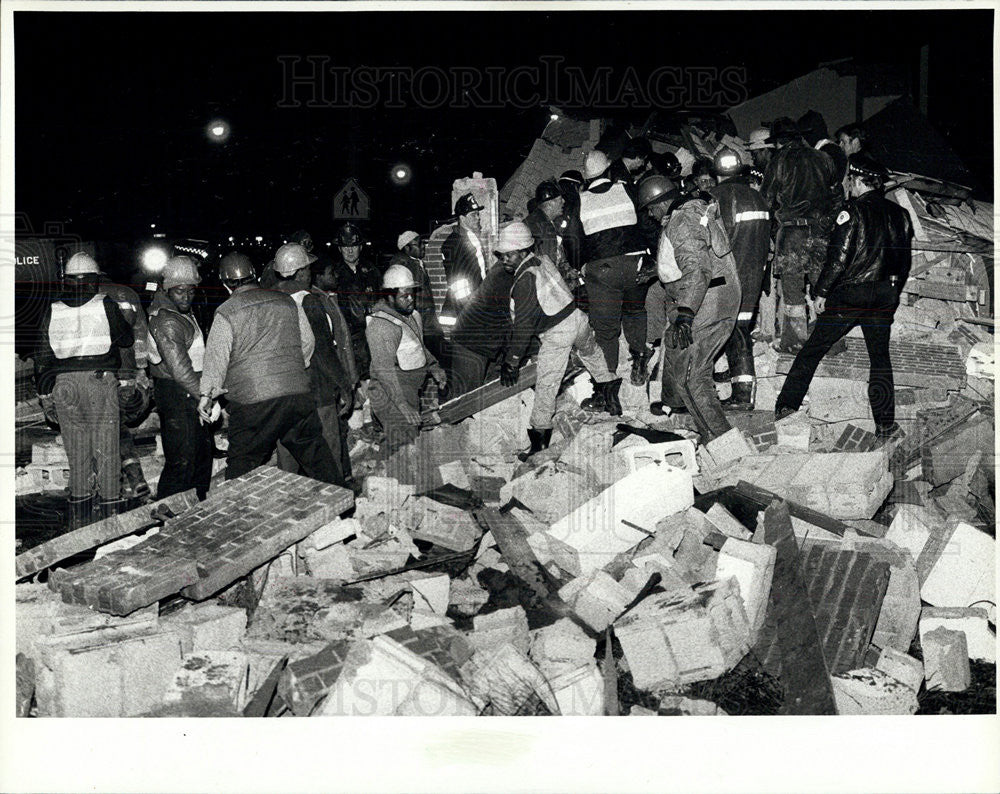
point(351, 203)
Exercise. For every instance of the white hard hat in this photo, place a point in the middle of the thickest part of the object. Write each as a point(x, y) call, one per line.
point(398, 277)
point(760, 139)
point(290, 258)
point(595, 163)
point(515, 236)
point(180, 270)
point(405, 239)
point(81, 264)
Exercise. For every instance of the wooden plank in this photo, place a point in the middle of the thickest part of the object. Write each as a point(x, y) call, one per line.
point(765, 497)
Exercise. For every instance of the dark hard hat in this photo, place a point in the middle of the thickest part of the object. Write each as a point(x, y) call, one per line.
point(573, 176)
point(300, 237)
point(348, 234)
point(654, 189)
point(547, 190)
point(467, 204)
point(667, 164)
point(727, 163)
point(235, 267)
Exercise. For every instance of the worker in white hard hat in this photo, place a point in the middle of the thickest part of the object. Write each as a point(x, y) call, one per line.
point(177, 355)
point(330, 383)
point(542, 305)
point(411, 251)
point(400, 360)
point(76, 363)
point(761, 147)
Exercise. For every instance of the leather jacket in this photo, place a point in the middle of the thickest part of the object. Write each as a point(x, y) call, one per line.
point(798, 184)
point(870, 243)
point(173, 333)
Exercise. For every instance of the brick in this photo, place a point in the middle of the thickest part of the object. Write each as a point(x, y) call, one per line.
point(305, 681)
point(752, 565)
point(867, 691)
point(973, 622)
point(855, 439)
point(902, 667)
point(964, 574)
point(946, 660)
point(218, 678)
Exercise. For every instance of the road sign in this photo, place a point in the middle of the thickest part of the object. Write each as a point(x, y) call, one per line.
point(351, 203)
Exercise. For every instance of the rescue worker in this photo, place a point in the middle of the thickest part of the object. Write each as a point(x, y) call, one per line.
point(702, 175)
point(748, 226)
point(549, 205)
point(613, 250)
point(400, 361)
point(634, 162)
point(255, 355)
point(761, 148)
point(666, 164)
point(464, 260)
point(134, 386)
point(542, 305)
point(357, 289)
point(695, 261)
point(411, 247)
point(852, 138)
point(328, 382)
point(177, 356)
point(865, 272)
point(76, 362)
point(798, 190)
point(570, 182)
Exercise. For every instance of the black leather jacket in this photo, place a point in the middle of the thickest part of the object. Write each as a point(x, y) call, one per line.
point(870, 243)
point(799, 183)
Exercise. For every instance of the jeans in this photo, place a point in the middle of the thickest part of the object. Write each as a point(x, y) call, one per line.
point(616, 302)
point(87, 405)
point(187, 443)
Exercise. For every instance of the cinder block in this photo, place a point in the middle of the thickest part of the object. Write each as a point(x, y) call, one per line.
point(596, 598)
point(903, 667)
point(946, 660)
point(973, 622)
point(209, 678)
point(965, 573)
point(869, 691)
point(726, 522)
point(209, 627)
point(561, 647)
point(731, 445)
point(330, 534)
point(501, 627)
point(752, 565)
point(579, 692)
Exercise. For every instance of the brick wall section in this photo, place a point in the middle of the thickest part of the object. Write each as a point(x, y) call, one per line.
point(757, 426)
point(243, 524)
point(846, 588)
point(913, 364)
point(434, 264)
point(855, 439)
point(305, 681)
point(932, 424)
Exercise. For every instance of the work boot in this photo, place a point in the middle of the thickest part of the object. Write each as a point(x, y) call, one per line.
point(595, 403)
point(112, 507)
point(741, 398)
point(539, 440)
point(611, 403)
point(81, 511)
point(640, 360)
point(136, 480)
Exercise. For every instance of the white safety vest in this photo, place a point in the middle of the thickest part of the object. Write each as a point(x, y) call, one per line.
point(550, 289)
point(196, 350)
point(410, 354)
point(607, 210)
point(80, 331)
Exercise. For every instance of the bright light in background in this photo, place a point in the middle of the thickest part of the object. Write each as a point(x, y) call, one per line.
point(217, 130)
point(554, 117)
point(152, 226)
point(259, 239)
point(401, 174)
point(153, 259)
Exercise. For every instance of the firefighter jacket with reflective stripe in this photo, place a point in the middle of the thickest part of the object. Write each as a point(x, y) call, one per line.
point(410, 351)
point(484, 325)
point(745, 216)
point(176, 345)
point(464, 268)
point(701, 250)
point(540, 300)
point(609, 221)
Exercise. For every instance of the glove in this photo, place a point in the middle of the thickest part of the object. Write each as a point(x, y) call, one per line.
point(49, 408)
point(142, 380)
point(819, 304)
point(679, 333)
point(440, 378)
point(410, 414)
point(508, 374)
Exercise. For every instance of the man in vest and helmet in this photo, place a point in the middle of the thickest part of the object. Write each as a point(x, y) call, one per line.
point(330, 384)
point(694, 260)
point(748, 223)
point(176, 356)
point(543, 306)
point(549, 205)
point(76, 363)
point(411, 248)
point(464, 261)
point(255, 355)
point(613, 249)
point(400, 361)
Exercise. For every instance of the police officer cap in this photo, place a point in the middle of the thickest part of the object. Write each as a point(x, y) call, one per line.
point(546, 191)
point(865, 167)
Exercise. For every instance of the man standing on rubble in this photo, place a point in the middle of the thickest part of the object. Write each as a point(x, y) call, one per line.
point(798, 188)
point(400, 361)
point(255, 355)
point(865, 272)
point(549, 205)
point(761, 148)
point(695, 261)
point(357, 288)
point(76, 363)
point(464, 260)
point(542, 305)
point(177, 355)
point(747, 222)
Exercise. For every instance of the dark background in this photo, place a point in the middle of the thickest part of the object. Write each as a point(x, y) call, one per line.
point(112, 107)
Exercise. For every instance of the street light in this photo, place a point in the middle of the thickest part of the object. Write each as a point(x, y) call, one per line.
point(401, 174)
point(217, 131)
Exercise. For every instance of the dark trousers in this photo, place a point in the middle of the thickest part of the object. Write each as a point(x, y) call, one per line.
point(872, 307)
point(335, 435)
point(467, 371)
point(256, 428)
point(616, 302)
point(187, 443)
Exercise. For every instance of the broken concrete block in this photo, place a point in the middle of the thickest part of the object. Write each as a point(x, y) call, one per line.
point(730, 446)
point(431, 592)
point(303, 608)
point(911, 528)
point(208, 627)
point(386, 492)
point(78, 677)
point(453, 472)
point(642, 711)
point(579, 692)
point(25, 684)
point(868, 691)
point(419, 619)
point(327, 535)
point(308, 679)
point(209, 678)
point(794, 434)
point(670, 576)
point(380, 677)
point(671, 639)
point(965, 572)
point(596, 598)
point(501, 627)
point(466, 597)
point(551, 491)
point(561, 647)
point(726, 522)
point(900, 613)
point(449, 527)
point(679, 706)
point(333, 562)
point(752, 565)
point(504, 681)
point(971, 621)
point(901, 666)
point(946, 660)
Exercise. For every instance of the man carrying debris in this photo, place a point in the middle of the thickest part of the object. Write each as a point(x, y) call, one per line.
point(543, 306)
point(865, 272)
point(255, 355)
point(695, 261)
point(464, 260)
point(747, 222)
point(76, 363)
point(330, 384)
point(176, 356)
point(400, 361)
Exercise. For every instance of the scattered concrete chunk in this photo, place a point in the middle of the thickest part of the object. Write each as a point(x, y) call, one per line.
point(794, 434)
point(972, 622)
point(448, 527)
point(501, 627)
point(387, 492)
point(209, 678)
point(903, 667)
point(466, 597)
point(596, 598)
point(208, 627)
point(679, 706)
point(503, 681)
point(730, 446)
point(911, 528)
point(25, 684)
point(965, 573)
point(641, 711)
point(726, 522)
point(432, 592)
point(869, 691)
point(561, 647)
point(579, 692)
point(329, 534)
point(946, 660)
point(752, 565)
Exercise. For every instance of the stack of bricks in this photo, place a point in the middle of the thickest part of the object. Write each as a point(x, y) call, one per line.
point(913, 364)
point(855, 439)
point(757, 426)
point(243, 524)
point(434, 264)
point(932, 423)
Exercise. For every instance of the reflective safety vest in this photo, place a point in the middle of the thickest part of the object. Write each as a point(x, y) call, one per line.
point(80, 331)
point(196, 350)
point(304, 328)
point(606, 210)
point(550, 289)
point(410, 354)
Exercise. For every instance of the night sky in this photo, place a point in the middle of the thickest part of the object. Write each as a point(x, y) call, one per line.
point(112, 107)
